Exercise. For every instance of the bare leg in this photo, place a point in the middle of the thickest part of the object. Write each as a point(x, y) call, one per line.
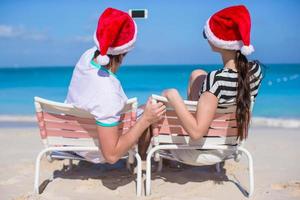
point(197, 78)
point(144, 142)
point(195, 83)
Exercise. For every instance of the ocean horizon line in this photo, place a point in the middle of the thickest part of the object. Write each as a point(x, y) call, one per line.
point(127, 65)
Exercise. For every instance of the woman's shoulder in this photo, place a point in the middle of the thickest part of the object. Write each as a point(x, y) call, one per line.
point(221, 74)
point(214, 77)
point(215, 73)
point(255, 68)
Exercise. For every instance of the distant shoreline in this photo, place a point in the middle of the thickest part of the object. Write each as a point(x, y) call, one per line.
point(278, 95)
point(134, 65)
point(30, 120)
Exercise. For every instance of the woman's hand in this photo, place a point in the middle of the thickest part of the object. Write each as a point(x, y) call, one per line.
point(153, 112)
point(171, 94)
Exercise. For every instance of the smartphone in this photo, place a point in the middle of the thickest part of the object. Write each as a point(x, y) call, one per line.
point(138, 13)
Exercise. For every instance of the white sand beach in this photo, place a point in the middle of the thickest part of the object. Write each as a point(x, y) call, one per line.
point(276, 153)
point(66, 66)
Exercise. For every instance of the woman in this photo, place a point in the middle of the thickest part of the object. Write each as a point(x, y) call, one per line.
point(94, 87)
point(228, 33)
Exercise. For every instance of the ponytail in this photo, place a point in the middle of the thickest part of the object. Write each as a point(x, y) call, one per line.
point(96, 54)
point(243, 98)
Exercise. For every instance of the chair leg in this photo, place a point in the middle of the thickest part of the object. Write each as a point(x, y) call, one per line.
point(130, 158)
point(148, 170)
point(70, 167)
point(127, 164)
point(138, 175)
point(148, 174)
point(148, 163)
point(37, 171)
point(218, 167)
point(251, 172)
point(160, 165)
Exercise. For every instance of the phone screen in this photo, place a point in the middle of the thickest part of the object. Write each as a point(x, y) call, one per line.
point(138, 13)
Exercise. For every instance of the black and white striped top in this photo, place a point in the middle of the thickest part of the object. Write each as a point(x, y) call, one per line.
point(223, 84)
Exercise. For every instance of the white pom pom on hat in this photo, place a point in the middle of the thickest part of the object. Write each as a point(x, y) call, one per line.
point(103, 60)
point(247, 50)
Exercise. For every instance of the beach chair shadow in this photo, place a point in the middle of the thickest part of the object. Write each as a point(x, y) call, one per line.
point(168, 134)
point(65, 129)
point(111, 176)
point(197, 174)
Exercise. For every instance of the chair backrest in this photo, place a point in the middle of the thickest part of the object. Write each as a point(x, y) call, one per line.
point(223, 125)
point(63, 124)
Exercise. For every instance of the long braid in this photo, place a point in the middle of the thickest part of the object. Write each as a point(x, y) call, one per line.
point(243, 99)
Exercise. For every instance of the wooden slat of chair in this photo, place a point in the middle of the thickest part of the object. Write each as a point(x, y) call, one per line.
point(54, 122)
point(62, 141)
point(41, 124)
point(179, 130)
point(71, 134)
point(223, 125)
point(70, 126)
point(66, 118)
point(220, 116)
point(217, 123)
point(65, 125)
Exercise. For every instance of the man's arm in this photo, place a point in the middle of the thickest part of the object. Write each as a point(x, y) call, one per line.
point(114, 146)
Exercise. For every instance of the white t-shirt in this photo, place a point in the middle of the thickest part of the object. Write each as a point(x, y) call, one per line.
point(97, 90)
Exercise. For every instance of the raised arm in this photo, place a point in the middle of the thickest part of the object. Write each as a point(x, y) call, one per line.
point(206, 109)
point(114, 146)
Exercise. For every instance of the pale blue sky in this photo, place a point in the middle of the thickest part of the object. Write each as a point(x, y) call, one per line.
point(57, 32)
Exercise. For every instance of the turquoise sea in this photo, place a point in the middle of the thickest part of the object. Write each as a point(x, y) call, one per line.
point(279, 94)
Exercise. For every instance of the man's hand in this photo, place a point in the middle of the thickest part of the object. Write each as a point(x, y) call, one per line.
point(153, 112)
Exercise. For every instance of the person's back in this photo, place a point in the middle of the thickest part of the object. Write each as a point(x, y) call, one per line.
point(228, 33)
point(95, 88)
point(223, 83)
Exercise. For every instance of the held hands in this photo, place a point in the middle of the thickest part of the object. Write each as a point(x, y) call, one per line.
point(153, 111)
point(171, 94)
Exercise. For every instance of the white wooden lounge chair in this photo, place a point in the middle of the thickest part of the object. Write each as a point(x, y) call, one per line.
point(65, 128)
point(168, 134)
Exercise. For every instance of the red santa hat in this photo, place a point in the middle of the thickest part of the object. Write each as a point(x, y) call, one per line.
point(115, 34)
point(230, 29)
